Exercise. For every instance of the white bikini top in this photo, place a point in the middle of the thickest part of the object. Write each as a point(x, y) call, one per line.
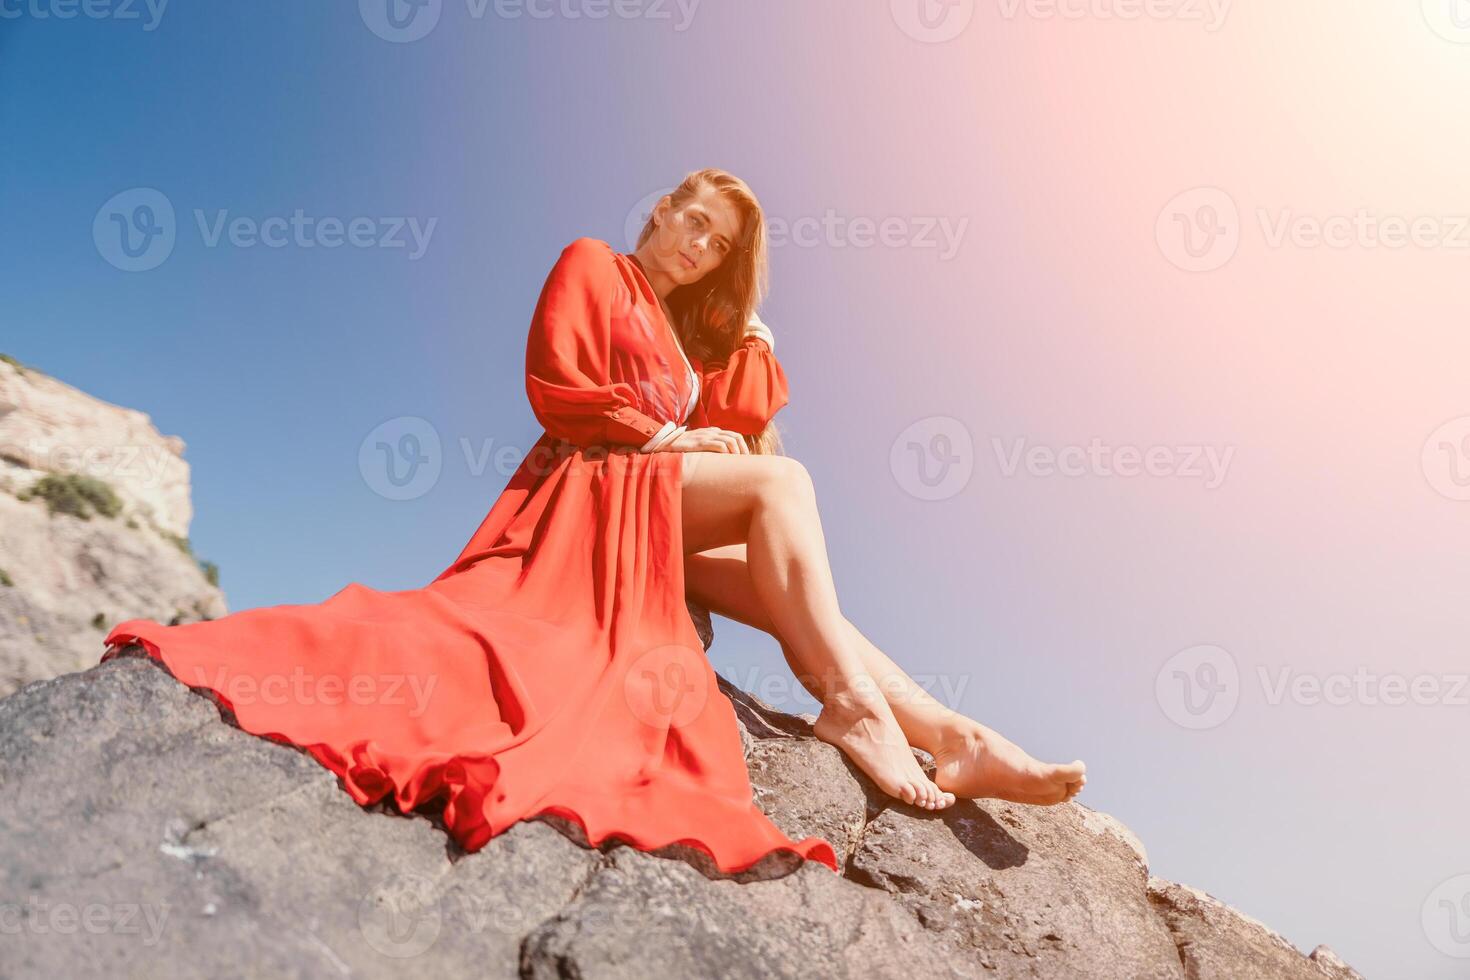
point(693, 392)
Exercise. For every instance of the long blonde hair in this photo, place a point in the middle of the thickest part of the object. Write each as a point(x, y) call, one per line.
point(710, 315)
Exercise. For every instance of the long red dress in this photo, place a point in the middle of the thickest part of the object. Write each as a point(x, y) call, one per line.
point(553, 667)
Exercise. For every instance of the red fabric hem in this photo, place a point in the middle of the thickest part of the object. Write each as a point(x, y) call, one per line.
point(463, 783)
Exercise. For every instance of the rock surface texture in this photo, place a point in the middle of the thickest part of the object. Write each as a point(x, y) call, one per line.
point(143, 835)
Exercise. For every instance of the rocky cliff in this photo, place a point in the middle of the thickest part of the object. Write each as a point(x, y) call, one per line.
point(94, 525)
point(143, 835)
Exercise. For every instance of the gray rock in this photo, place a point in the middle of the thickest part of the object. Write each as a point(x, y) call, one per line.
point(142, 834)
point(640, 918)
point(1216, 942)
point(1025, 891)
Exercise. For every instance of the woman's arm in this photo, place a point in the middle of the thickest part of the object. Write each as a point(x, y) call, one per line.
point(744, 392)
point(568, 381)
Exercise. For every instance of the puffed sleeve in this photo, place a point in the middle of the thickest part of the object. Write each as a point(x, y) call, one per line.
point(746, 391)
point(568, 356)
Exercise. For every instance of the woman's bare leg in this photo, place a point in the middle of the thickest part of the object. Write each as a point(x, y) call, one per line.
point(769, 504)
point(971, 760)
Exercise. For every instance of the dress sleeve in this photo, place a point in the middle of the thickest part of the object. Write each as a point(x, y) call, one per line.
point(746, 391)
point(568, 356)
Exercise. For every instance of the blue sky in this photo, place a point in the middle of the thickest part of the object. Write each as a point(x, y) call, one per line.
point(1048, 604)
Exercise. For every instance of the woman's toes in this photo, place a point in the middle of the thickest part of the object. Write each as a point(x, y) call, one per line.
point(938, 798)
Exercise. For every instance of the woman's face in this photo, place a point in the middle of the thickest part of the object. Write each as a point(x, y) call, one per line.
point(691, 241)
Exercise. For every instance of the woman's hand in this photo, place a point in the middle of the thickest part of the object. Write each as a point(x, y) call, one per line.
point(757, 327)
point(710, 439)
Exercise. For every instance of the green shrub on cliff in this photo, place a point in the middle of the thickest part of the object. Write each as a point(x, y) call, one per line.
point(74, 494)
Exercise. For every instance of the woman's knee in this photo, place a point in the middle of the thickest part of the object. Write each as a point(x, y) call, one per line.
point(786, 479)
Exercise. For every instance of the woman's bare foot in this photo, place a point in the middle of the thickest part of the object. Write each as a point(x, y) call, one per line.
point(864, 728)
point(976, 761)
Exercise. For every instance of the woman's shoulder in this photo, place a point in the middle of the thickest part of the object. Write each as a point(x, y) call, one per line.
point(585, 260)
point(593, 258)
point(587, 249)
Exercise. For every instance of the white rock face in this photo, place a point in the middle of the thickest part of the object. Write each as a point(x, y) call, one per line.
point(67, 574)
point(47, 426)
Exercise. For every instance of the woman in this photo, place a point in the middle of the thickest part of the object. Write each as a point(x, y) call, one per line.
point(554, 667)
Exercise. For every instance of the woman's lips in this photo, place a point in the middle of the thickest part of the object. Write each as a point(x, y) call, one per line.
point(690, 262)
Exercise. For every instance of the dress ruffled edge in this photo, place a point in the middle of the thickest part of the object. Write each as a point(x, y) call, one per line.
point(462, 783)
